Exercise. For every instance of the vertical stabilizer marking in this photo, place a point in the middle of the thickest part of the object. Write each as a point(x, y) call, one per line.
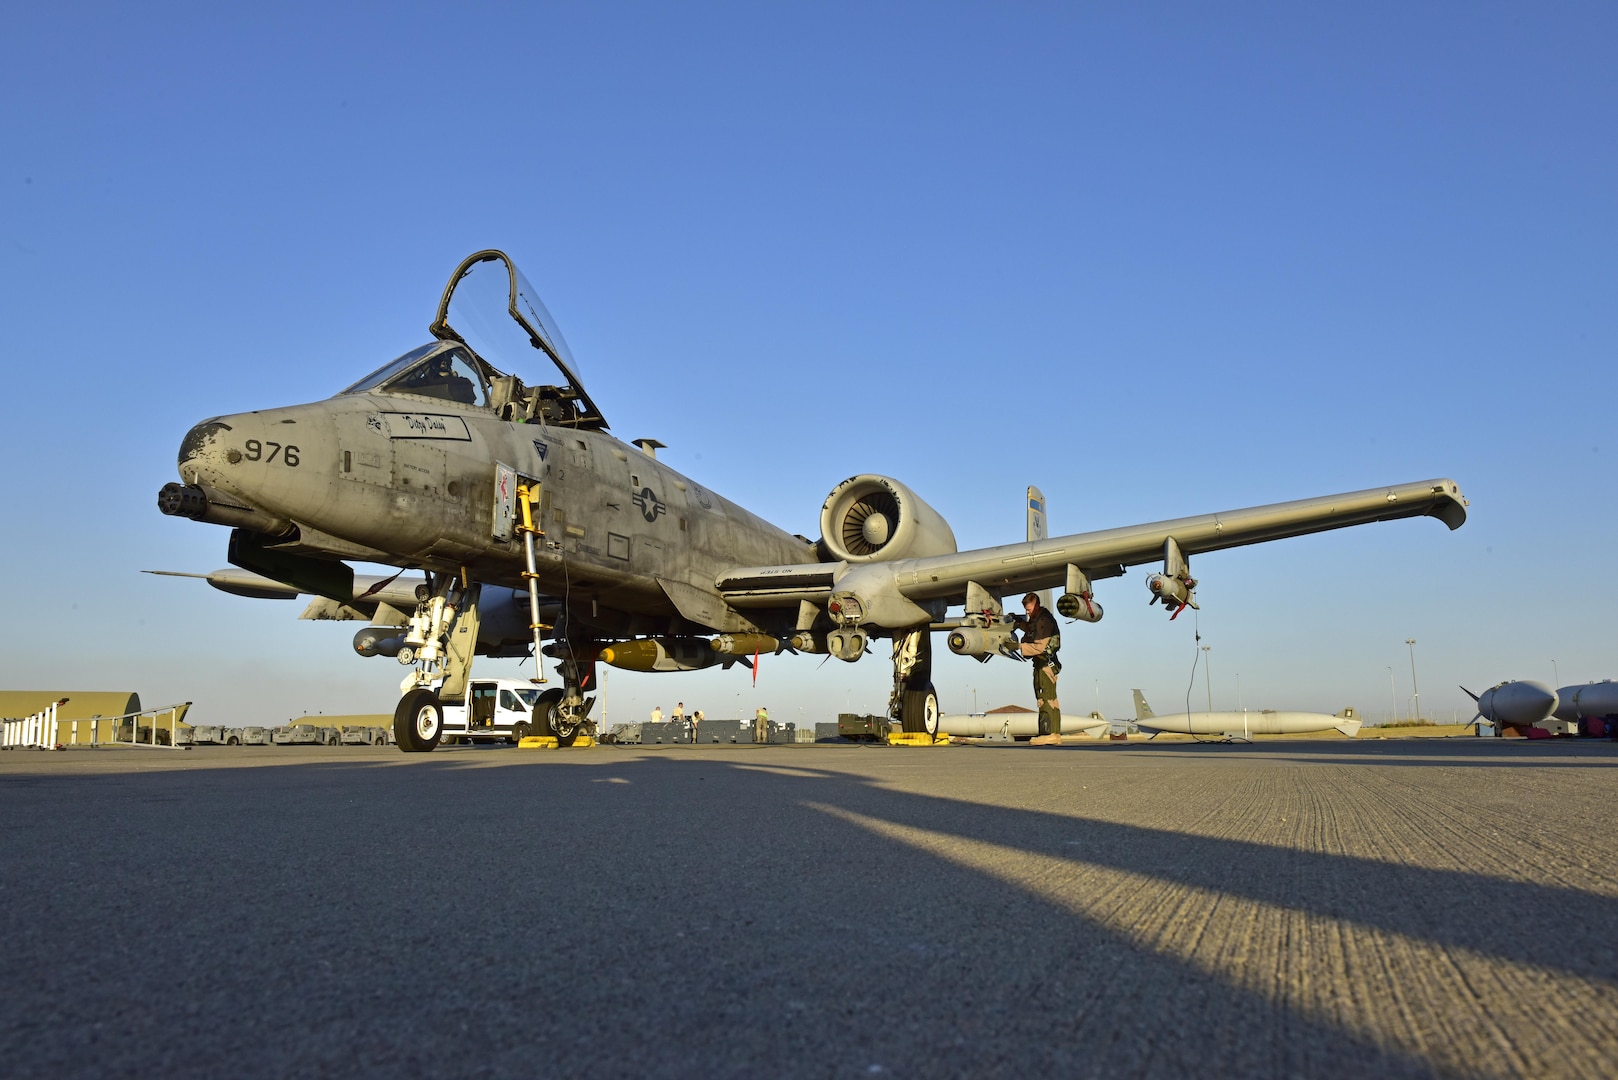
point(1038, 529)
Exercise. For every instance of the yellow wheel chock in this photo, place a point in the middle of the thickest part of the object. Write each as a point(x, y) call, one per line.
point(551, 742)
point(915, 738)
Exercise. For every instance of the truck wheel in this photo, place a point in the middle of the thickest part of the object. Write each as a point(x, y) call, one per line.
point(233, 741)
point(519, 731)
point(418, 721)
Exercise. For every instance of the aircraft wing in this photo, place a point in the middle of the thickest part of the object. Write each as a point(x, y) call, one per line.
point(370, 591)
point(890, 593)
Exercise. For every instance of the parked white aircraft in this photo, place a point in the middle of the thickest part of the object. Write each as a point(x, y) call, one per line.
point(1244, 724)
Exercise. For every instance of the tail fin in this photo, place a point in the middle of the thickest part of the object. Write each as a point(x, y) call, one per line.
point(1350, 725)
point(1037, 530)
point(1143, 711)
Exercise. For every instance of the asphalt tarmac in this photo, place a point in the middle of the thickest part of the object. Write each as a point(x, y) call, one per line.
point(1310, 908)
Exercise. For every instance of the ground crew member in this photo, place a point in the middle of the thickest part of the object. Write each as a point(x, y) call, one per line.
point(761, 725)
point(1040, 642)
point(657, 714)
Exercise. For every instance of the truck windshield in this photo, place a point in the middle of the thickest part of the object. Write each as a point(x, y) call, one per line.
point(527, 696)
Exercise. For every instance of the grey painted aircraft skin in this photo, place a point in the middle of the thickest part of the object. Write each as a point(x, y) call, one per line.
point(413, 467)
point(1245, 722)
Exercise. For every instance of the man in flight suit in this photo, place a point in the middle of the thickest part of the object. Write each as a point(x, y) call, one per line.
point(1040, 642)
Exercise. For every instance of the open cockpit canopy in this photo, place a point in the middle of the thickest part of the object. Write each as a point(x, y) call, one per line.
point(491, 318)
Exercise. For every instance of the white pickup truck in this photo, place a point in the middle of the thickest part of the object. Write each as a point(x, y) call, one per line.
point(494, 709)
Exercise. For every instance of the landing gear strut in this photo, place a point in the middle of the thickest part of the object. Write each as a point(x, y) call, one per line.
point(564, 714)
point(914, 702)
point(440, 643)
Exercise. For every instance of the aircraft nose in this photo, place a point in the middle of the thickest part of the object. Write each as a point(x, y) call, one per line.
point(201, 445)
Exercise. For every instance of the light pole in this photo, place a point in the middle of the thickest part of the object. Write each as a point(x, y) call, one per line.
point(1207, 679)
point(1415, 691)
point(1393, 695)
point(974, 701)
point(1557, 674)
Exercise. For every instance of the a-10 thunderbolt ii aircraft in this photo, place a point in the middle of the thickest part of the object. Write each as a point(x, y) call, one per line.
point(536, 528)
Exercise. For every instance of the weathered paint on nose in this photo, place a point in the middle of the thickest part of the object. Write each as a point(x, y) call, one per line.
point(203, 450)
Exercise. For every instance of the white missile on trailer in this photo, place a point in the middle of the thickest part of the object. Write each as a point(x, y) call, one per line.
point(1598, 699)
point(1246, 723)
point(1523, 703)
point(1016, 725)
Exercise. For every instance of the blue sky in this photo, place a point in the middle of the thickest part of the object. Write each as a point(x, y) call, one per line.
point(1158, 261)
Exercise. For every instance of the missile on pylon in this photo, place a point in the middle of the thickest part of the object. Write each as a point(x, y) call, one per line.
point(744, 644)
point(660, 654)
point(808, 641)
point(1081, 606)
point(379, 641)
point(1174, 592)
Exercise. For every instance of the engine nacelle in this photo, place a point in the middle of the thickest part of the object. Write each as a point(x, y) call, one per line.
point(873, 518)
point(1078, 606)
point(980, 642)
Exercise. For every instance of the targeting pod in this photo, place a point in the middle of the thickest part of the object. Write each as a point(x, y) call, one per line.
point(979, 642)
point(378, 641)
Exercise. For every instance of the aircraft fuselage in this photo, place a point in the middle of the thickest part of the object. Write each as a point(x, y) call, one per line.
point(410, 481)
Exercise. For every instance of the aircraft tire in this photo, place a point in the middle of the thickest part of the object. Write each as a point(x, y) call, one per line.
point(919, 711)
point(545, 711)
point(418, 721)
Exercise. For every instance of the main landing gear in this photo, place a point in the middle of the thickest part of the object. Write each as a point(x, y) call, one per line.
point(914, 702)
point(564, 714)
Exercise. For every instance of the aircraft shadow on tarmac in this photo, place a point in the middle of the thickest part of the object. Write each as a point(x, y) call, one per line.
point(957, 951)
